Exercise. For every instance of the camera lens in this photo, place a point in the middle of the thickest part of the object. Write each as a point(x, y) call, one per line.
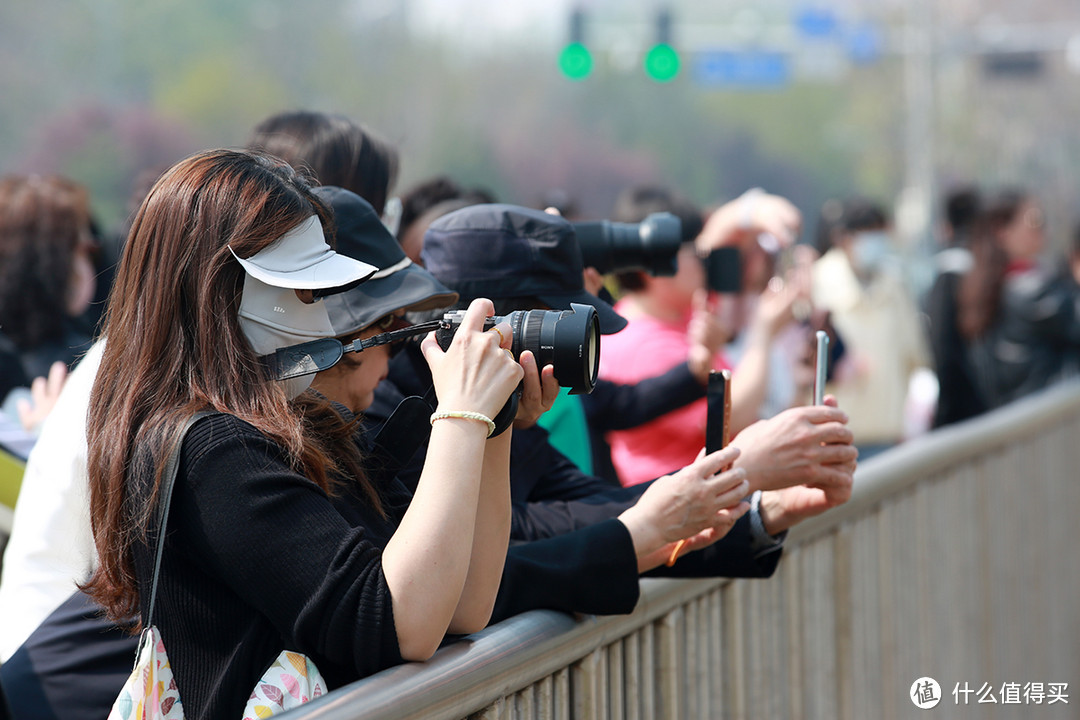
point(650, 245)
point(569, 340)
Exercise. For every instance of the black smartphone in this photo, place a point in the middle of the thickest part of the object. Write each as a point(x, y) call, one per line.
point(723, 270)
point(718, 417)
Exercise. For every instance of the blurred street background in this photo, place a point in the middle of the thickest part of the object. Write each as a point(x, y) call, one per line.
point(895, 99)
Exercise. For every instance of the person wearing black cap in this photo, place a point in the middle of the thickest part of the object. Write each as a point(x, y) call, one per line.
point(524, 258)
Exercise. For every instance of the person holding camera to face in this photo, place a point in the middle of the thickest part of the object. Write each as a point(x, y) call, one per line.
point(663, 308)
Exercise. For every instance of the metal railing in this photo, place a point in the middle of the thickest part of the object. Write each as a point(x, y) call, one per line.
point(955, 559)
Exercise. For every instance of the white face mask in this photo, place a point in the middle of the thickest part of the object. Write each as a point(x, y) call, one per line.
point(870, 251)
point(272, 318)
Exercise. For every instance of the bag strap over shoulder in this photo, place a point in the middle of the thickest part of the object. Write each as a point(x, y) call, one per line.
point(168, 479)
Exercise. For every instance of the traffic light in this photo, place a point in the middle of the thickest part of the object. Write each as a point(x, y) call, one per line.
point(662, 60)
point(575, 60)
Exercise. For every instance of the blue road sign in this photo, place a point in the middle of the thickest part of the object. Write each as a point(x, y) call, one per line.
point(748, 69)
point(815, 22)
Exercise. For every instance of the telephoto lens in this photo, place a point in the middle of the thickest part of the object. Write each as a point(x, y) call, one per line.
point(567, 339)
point(650, 245)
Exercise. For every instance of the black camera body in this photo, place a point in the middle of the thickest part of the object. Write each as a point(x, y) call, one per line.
point(567, 339)
point(650, 245)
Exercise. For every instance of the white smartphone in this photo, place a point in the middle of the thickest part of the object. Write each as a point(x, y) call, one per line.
point(821, 366)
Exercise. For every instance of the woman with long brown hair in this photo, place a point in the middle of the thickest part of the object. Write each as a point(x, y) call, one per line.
point(220, 268)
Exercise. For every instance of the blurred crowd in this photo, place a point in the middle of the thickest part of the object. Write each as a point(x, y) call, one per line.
point(739, 289)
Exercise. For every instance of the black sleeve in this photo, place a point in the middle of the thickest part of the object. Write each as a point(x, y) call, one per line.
point(617, 406)
point(277, 540)
point(551, 495)
point(593, 570)
point(732, 556)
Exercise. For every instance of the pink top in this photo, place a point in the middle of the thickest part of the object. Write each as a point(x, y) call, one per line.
point(645, 348)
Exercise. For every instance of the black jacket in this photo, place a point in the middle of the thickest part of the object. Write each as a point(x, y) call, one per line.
point(1035, 340)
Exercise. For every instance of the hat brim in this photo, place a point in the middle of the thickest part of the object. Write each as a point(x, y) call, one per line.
point(611, 322)
point(332, 270)
point(301, 260)
point(409, 289)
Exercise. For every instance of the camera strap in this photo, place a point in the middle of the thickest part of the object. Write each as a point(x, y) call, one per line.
point(403, 433)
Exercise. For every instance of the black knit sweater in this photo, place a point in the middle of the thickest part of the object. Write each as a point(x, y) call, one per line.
point(258, 559)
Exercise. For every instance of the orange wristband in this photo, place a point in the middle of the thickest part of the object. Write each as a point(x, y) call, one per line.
point(675, 553)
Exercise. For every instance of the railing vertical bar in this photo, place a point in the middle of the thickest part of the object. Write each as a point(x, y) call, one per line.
point(600, 679)
point(616, 682)
point(649, 672)
point(633, 695)
point(716, 653)
point(702, 670)
point(865, 621)
point(780, 649)
point(584, 690)
point(843, 620)
point(736, 669)
point(889, 649)
point(670, 650)
point(545, 698)
point(562, 694)
point(791, 575)
point(525, 703)
point(689, 639)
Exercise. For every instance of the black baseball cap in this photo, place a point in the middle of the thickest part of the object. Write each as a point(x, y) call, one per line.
point(507, 251)
point(399, 283)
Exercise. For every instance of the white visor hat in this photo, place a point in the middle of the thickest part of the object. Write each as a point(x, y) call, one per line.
point(301, 260)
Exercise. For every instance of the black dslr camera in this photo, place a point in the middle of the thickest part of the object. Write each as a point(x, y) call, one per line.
point(567, 339)
point(650, 245)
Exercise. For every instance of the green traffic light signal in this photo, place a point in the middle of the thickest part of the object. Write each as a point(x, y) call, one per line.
point(575, 61)
point(662, 63)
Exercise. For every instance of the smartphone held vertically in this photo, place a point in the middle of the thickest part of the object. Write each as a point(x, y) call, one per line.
point(821, 366)
point(718, 417)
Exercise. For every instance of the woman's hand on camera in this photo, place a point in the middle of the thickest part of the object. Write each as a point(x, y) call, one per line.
point(477, 372)
point(699, 503)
